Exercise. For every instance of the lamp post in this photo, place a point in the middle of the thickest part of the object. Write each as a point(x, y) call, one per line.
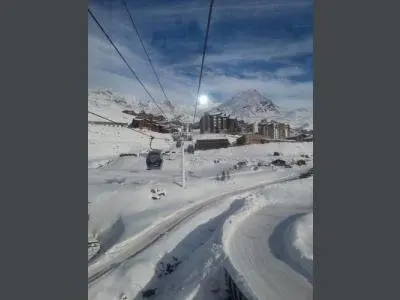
point(183, 165)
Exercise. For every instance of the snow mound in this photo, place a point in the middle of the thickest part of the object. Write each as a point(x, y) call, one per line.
point(303, 231)
point(299, 242)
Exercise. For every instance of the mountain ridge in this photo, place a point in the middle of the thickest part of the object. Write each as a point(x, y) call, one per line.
point(250, 106)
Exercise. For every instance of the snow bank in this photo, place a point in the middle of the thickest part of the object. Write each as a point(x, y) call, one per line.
point(256, 251)
point(299, 243)
point(303, 230)
point(250, 206)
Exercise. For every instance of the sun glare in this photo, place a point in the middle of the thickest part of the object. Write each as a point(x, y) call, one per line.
point(203, 99)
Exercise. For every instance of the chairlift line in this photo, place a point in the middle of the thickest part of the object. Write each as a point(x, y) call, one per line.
point(151, 140)
point(124, 60)
point(203, 57)
point(154, 157)
point(114, 122)
point(145, 51)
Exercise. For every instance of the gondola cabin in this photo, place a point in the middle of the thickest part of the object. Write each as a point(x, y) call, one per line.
point(154, 160)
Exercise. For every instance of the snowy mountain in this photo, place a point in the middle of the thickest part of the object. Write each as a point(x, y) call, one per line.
point(300, 117)
point(110, 104)
point(251, 106)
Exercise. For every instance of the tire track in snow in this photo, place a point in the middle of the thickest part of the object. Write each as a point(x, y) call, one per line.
point(147, 238)
point(199, 254)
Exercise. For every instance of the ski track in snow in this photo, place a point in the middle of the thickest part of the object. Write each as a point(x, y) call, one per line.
point(197, 244)
point(200, 254)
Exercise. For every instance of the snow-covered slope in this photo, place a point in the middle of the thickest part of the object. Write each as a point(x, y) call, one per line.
point(111, 104)
point(299, 118)
point(107, 142)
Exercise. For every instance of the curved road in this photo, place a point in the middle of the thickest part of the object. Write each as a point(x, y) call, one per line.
point(257, 254)
point(129, 248)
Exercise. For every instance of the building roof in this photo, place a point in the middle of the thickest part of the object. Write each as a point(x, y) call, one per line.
point(252, 134)
point(213, 140)
point(137, 118)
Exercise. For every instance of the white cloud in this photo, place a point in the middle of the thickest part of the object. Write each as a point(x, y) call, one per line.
point(226, 7)
point(106, 69)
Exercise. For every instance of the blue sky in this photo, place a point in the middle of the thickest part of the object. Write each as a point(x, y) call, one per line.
point(263, 45)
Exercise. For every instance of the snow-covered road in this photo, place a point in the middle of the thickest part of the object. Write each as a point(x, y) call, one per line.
point(258, 247)
point(131, 247)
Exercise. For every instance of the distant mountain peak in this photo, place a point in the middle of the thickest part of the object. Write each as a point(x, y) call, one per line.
point(250, 98)
point(248, 105)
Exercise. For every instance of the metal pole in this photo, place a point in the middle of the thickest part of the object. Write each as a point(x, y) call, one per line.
point(183, 165)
